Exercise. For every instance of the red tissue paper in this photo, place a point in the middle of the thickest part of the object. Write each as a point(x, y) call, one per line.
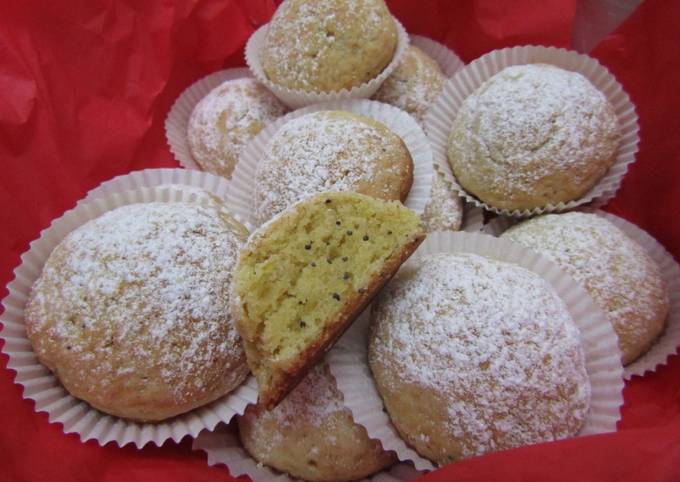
point(84, 90)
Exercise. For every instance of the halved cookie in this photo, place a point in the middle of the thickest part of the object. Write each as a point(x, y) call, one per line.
point(302, 278)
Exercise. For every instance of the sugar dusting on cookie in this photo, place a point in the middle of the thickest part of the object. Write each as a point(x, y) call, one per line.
point(528, 122)
point(494, 340)
point(313, 402)
point(322, 151)
point(139, 296)
point(227, 118)
point(617, 272)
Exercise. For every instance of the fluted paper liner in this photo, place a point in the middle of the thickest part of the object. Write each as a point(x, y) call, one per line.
point(40, 384)
point(440, 118)
point(449, 62)
point(241, 197)
point(223, 447)
point(294, 98)
point(177, 120)
point(349, 364)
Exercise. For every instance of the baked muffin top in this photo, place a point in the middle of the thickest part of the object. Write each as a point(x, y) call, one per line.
point(328, 45)
point(488, 347)
point(414, 85)
point(223, 122)
point(311, 435)
point(331, 151)
point(617, 272)
point(444, 210)
point(131, 310)
point(533, 135)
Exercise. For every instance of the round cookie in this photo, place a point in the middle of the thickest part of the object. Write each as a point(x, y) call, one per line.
point(617, 272)
point(223, 122)
point(444, 211)
point(331, 151)
point(533, 135)
point(414, 85)
point(311, 435)
point(485, 348)
point(328, 45)
point(131, 310)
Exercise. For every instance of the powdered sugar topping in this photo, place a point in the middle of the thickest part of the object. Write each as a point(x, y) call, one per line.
point(444, 211)
point(617, 272)
point(141, 290)
point(530, 121)
point(312, 402)
point(494, 341)
point(302, 34)
point(414, 85)
point(322, 151)
point(225, 120)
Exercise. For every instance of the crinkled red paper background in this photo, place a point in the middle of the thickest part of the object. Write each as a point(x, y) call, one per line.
point(84, 89)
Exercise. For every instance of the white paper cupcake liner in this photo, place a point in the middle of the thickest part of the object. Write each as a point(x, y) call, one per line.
point(449, 62)
point(177, 121)
point(669, 341)
point(241, 198)
point(349, 364)
point(442, 114)
point(299, 98)
point(223, 447)
point(40, 384)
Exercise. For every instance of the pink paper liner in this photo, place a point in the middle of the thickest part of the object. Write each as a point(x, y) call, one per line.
point(442, 114)
point(40, 384)
point(223, 447)
point(669, 341)
point(299, 98)
point(348, 361)
point(177, 120)
point(240, 197)
point(449, 62)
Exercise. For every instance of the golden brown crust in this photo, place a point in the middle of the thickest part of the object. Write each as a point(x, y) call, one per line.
point(531, 136)
point(129, 324)
point(407, 178)
point(328, 45)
